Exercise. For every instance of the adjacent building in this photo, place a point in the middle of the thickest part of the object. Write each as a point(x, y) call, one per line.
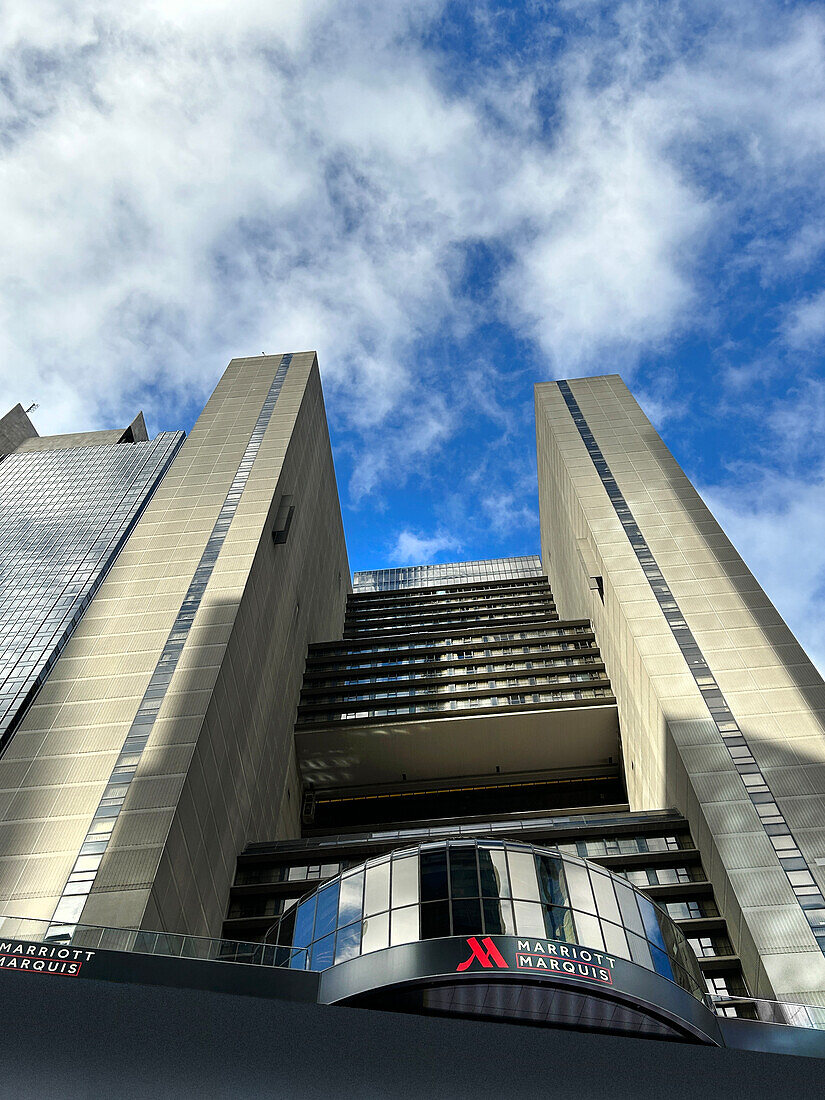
point(67, 505)
point(581, 790)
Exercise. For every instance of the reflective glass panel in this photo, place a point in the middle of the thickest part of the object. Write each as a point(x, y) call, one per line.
point(608, 907)
point(551, 880)
point(350, 903)
point(650, 919)
point(615, 940)
point(376, 934)
point(466, 916)
point(529, 918)
point(322, 953)
point(405, 881)
point(578, 884)
point(463, 871)
point(661, 963)
point(640, 951)
point(629, 909)
point(304, 920)
point(435, 920)
point(558, 924)
point(433, 874)
point(588, 931)
point(377, 890)
point(327, 912)
point(498, 919)
point(493, 872)
point(404, 925)
point(523, 881)
point(348, 942)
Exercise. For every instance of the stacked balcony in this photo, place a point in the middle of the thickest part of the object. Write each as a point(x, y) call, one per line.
point(432, 685)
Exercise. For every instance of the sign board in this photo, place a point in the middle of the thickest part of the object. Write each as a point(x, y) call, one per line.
point(44, 958)
point(540, 957)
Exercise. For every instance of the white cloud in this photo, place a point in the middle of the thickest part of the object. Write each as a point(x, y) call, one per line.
point(413, 549)
point(805, 323)
point(779, 527)
point(609, 227)
point(181, 182)
point(505, 512)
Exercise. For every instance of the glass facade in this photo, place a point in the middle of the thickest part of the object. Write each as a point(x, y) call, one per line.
point(474, 887)
point(423, 576)
point(64, 515)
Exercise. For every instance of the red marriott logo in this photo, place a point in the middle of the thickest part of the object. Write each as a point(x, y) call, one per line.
point(486, 953)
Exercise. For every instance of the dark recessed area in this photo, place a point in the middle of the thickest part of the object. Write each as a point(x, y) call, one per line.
point(340, 811)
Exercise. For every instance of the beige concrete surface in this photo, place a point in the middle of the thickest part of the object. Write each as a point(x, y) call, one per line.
point(219, 768)
point(673, 752)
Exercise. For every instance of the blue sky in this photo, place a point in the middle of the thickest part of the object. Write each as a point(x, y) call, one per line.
point(450, 202)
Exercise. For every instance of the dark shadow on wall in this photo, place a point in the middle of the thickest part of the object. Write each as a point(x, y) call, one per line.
point(756, 886)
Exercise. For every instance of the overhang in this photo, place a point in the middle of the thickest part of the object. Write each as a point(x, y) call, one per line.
point(346, 754)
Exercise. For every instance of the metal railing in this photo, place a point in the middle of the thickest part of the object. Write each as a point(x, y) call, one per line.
point(101, 938)
point(174, 945)
point(770, 1012)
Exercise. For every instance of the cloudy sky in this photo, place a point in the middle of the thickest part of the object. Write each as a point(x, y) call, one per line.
point(450, 202)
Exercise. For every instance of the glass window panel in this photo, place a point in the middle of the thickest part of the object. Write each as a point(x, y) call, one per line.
point(286, 927)
point(640, 951)
point(433, 874)
point(322, 953)
point(606, 904)
point(551, 880)
point(493, 918)
point(88, 863)
point(463, 871)
point(578, 885)
point(435, 919)
point(529, 918)
point(523, 881)
point(405, 881)
point(466, 916)
point(508, 920)
point(304, 920)
point(652, 921)
point(377, 889)
point(404, 925)
point(493, 868)
point(615, 940)
point(376, 933)
point(588, 931)
point(327, 912)
point(661, 963)
point(298, 960)
point(558, 923)
point(629, 909)
point(351, 900)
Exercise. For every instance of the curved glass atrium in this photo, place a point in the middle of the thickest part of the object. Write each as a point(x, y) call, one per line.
point(483, 887)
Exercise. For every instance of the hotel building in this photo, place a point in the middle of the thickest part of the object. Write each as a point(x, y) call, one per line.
point(580, 790)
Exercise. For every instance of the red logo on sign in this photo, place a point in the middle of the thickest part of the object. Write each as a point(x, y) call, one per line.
point(485, 952)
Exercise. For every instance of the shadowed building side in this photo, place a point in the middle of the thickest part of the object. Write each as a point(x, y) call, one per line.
point(162, 739)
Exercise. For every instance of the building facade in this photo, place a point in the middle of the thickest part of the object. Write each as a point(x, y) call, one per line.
point(67, 505)
point(580, 790)
point(458, 710)
point(721, 709)
point(162, 740)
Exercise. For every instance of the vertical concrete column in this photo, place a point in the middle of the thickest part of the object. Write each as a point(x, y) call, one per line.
point(218, 768)
point(732, 738)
